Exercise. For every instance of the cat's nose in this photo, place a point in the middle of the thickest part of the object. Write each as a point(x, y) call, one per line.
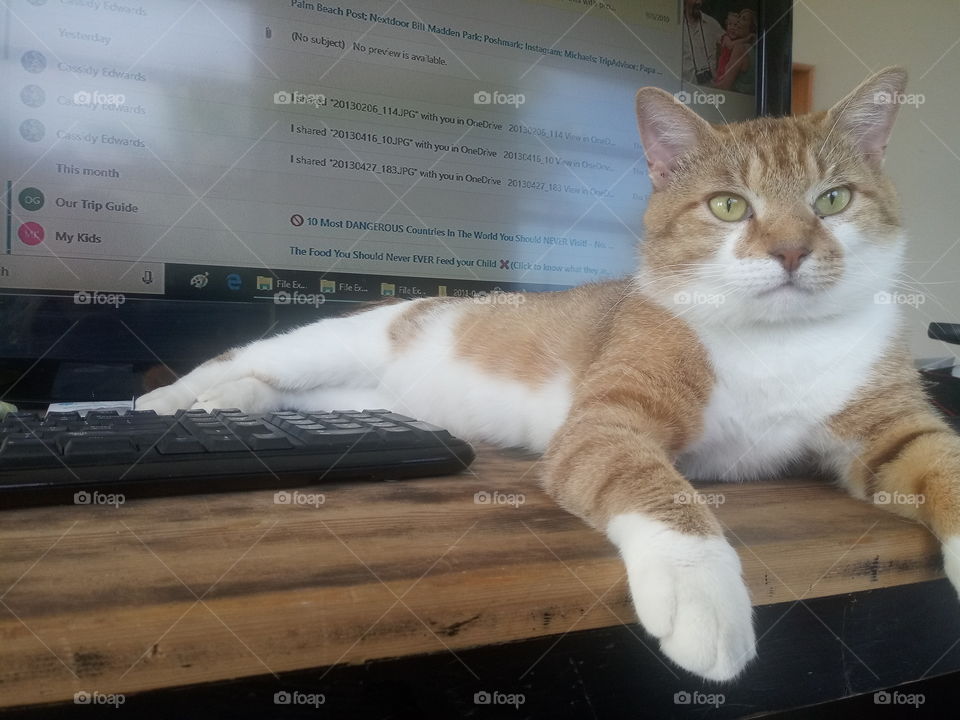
point(790, 257)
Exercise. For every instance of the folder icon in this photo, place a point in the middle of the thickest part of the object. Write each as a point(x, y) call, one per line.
point(388, 289)
point(264, 282)
point(328, 286)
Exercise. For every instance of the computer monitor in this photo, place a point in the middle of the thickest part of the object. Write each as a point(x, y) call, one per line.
point(182, 177)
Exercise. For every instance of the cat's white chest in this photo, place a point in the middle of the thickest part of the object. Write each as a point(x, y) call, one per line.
point(777, 386)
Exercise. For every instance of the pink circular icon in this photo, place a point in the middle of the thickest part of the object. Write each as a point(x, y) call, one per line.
point(31, 233)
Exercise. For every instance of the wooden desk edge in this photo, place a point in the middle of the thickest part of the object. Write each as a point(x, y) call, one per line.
point(379, 570)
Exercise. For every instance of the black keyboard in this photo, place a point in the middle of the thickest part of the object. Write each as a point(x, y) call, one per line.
point(60, 457)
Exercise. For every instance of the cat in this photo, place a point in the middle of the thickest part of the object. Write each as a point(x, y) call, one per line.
point(751, 336)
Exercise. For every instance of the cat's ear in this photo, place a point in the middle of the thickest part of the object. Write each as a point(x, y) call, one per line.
point(865, 116)
point(668, 130)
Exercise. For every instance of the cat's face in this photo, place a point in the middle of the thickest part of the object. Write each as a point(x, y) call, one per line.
point(771, 220)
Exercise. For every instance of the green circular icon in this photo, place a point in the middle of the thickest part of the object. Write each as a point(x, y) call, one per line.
point(31, 198)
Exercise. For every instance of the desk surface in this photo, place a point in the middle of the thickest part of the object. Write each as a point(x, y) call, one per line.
point(175, 591)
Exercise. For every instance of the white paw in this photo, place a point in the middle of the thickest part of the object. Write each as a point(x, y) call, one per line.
point(247, 394)
point(688, 591)
point(166, 400)
point(951, 560)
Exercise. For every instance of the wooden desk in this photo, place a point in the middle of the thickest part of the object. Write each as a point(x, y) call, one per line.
point(174, 591)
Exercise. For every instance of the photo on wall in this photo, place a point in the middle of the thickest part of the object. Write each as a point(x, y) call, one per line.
point(719, 44)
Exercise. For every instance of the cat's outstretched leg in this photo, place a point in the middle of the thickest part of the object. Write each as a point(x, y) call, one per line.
point(610, 465)
point(351, 351)
point(890, 448)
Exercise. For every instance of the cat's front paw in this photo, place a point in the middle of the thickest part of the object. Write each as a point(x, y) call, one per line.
point(248, 394)
point(166, 400)
point(688, 591)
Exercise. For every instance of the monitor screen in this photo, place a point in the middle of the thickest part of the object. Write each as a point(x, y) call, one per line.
point(182, 177)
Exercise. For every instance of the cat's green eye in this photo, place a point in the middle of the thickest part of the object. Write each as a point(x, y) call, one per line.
point(832, 201)
point(728, 207)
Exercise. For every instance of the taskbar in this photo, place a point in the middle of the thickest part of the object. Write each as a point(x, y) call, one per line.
point(314, 287)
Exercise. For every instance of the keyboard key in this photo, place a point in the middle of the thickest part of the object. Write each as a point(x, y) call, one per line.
point(286, 415)
point(96, 414)
point(244, 421)
point(101, 422)
point(337, 438)
point(268, 441)
point(15, 422)
point(51, 430)
point(306, 425)
point(174, 445)
point(394, 417)
point(402, 432)
point(56, 418)
point(22, 446)
point(222, 443)
point(439, 432)
point(82, 446)
point(202, 422)
point(145, 440)
point(292, 426)
point(248, 426)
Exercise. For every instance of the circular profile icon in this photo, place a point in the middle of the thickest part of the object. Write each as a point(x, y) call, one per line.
point(30, 233)
point(34, 61)
point(32, 130)
point(33, 96)
point(31, 199)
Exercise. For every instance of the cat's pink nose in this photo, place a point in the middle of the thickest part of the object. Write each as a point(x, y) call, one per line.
point(790, 258)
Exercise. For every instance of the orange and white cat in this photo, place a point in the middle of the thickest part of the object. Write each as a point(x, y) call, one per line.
point(750, 337)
